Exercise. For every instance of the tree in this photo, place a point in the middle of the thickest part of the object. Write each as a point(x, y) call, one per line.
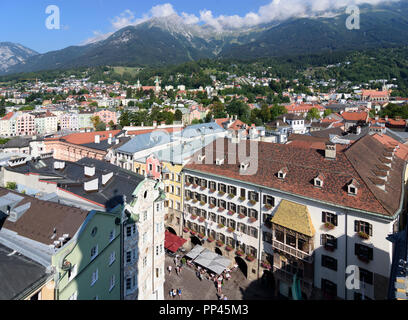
point(129, 93)
point(96, 121)
point(313, 114)
point(277, 110)
point(178, 115)
point(239, 108)
point(100, 126)
point(327, 112)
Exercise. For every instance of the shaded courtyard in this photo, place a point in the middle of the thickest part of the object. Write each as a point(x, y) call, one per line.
point(237, 288)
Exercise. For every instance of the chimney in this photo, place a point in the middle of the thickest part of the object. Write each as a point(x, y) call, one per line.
point(377, 118)
point(109, 140)
point(330, 151)
point(386, 118)
point(155, 124)
point(142, 124)
point(358, 130)
point(97, 138)
point(284, 119)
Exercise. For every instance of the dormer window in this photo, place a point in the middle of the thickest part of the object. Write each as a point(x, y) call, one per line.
point(318, 181)
point(352, 187)
point(201, 157)
point(282, 173)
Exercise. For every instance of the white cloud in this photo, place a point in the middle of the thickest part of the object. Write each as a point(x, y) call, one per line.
point(162, 10)
point(97, 36)
point(190, 18)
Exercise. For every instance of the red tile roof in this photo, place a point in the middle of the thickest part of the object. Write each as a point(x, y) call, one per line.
point(88, 137)
point(355, 116)
point(304, 164)
point(138, 132)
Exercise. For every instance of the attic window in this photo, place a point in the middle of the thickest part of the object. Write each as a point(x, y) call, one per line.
point(352, 190)
point(318, 181)
point(282, 173)
point(201, 157)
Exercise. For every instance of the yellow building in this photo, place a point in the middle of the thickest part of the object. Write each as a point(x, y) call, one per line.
point(172, 179)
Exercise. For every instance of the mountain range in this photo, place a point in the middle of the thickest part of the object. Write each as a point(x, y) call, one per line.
point(168, 40)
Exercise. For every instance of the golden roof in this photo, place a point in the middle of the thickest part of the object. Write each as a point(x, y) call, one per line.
point(294, 216)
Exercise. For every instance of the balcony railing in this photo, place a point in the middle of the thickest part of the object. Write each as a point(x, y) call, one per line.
point(292, 251)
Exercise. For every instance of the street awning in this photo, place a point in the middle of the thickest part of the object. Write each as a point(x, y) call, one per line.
point(172, 242)
point(212, 261)
point(195, 252)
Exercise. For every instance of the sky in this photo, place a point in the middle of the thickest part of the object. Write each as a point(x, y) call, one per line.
point(85, 21)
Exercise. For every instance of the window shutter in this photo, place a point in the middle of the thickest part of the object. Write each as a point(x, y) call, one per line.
point(335, 220)
point(356, 249)
point(335, 243)
point(264, 199)
point(322, 239)
point(370, 253)
point(356, 225)
point(323, 217)
point(370, 229)
point(273, 201)
point(257, 196)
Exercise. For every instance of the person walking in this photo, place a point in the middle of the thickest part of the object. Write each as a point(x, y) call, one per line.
point(174, 293)
point(171, 293)
point(169, 268)
point(179, 293)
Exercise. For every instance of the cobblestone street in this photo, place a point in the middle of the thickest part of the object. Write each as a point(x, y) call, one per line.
point(237, 288)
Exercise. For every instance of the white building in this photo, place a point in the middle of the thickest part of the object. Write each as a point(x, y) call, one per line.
point(302, 212)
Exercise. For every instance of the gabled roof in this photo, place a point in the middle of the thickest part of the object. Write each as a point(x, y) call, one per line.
point(304, 164)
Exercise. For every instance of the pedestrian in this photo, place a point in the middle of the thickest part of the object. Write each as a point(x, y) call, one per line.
point(219, 287)
point(169, 268)
point(179, 293)
point(225, 298)
point(171, 293)
point(174, 293)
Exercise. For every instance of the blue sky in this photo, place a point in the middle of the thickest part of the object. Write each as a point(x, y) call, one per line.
point(82, 21)
point(23, 21)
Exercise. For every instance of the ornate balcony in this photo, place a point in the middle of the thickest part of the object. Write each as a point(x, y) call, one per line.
point(307, 257)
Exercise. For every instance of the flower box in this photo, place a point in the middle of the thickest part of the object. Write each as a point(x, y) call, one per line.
point(252, 219)
point(242, 198)
point(241, 216)
point(188, 184)
point(195, 201)
point(239, 253)
point(221, 209)
point(212, 190)
point(363, 235)
point(231, 213)
point(231, 195)
point(229, 248)
point(201, 235)
point(195, 186)
point(185, 229)
point(202, 203)
point(329, 225)
point(210, 239)
point(266, 265)
point(250, 257)
point(221, 193)
point(212, 205)
point(193, 217)
point(220, 226)
point(219, 243)
point(268, 207)
point(201, 219)
point(253, 202)
point(202, 188)
point(188, 198)
point(192, 232)
point(230, 229)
